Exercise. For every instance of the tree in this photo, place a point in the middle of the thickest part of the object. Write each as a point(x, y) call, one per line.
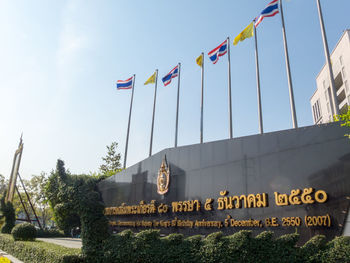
point(3, 184)
point(65, 214)
point(77, 195)
point(36, 189)
point(111, 163)
point(345, 119)
point(8, 212)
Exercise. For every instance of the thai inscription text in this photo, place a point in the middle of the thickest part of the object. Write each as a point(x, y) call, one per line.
point(241, 201)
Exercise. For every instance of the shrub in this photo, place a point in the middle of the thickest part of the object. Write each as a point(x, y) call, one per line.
point(24, 232)
point(337, 250)
point(312, 249)
point(39, 252)
point(50, 233)
point(10, 217)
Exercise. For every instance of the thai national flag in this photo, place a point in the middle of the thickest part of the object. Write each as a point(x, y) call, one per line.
point(218, 52)
point(125, 84)
point(270, 10)
point(172, 74)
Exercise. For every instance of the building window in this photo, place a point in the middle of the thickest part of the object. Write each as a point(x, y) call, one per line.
point(325, 94)
point(324, 84)
point(341, 60)
point(317, 110)
point(346, 86)
point(343, 71)
point(328, 108)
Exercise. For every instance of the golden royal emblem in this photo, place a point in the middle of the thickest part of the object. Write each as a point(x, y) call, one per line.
point(163, 179)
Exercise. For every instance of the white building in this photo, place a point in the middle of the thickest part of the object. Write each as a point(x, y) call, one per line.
point(321, 100)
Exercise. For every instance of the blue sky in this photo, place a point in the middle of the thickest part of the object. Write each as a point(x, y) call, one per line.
point(60, 60)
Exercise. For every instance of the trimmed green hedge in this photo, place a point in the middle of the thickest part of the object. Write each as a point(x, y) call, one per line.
point(39, 252)
point(24, 232)
point(241, 247)
point(50, 233)
point(148, 246)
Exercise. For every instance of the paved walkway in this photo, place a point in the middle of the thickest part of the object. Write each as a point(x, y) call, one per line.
point(12, 258)
point(64, 241)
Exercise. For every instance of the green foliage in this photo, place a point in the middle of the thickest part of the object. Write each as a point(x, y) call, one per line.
point(3, 184)
point(67, 193)
point(8, 212)
point(344, 119)
point(36, 190)
point(241, 247)
point(24, 232)
point(312, 249)
point(111, 163)
point(62, 202)
point(50, 233)
point(337, 250)
point(39, 252)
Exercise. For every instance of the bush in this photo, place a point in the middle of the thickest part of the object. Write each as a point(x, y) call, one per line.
point(10, 217)
point(241, 247)
point(337, 250)
point(24, 232)
point(39, 252)
point(50, 233)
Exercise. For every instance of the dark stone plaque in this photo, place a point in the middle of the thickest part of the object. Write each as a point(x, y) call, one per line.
point(286, 162)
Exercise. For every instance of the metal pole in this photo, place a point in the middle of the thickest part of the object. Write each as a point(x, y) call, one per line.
point(177, 107)
point(261, 128)
point(202, 98)
point(290, 85)
point(229, 87)
point(31, 205)
point(154, 109)
point(127, 134)
point(329, 64)
point(24, 207)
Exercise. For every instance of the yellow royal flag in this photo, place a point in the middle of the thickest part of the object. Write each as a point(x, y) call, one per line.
point(199, 60)
point(151, 79)
point(246, 33)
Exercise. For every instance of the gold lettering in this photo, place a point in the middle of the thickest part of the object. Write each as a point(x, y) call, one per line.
point(293, 198)
point(323, 197)
point(261, 200)
point(305, 197)
point(245, 200)
point(208, 204)
point(251, 201)
point(281, 199)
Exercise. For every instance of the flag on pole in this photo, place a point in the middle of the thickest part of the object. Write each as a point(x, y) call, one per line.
point(246, 33)
point(199, 60)
point(218, 52)
point(270, 10)
point(151, 79)
point(172, 74)
point(125, 84)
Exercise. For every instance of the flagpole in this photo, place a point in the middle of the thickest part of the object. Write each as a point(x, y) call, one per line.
point(177, 106)
point(202, 97)
point(154, 109)
point(261, 128)
point(290, 85)
point(229, 87)
point(127, 134)
point(329, 64)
